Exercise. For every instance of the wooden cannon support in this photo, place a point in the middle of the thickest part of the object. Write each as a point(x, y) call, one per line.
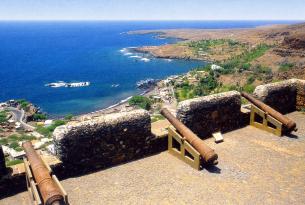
point(32, 187)
point(271, 120)
point(262, 120)
point(186, 145)
point(180, 148)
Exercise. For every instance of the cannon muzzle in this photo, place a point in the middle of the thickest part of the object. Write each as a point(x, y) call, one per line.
point(288, 123)
point(49, 191)
point(209, 156)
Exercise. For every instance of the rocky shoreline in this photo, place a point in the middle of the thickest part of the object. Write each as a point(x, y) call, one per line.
point(286, 42)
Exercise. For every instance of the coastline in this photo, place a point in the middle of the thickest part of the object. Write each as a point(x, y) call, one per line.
point(179, 50)
point(176, 51)
point(115, 108)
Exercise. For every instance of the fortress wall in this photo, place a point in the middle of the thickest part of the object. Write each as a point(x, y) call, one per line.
point(2, 163)
point(208, 114)
point(300, 101)
point(104, 141)
point(285, 96)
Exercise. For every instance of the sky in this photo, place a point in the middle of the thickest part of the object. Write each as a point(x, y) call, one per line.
point(152, 9)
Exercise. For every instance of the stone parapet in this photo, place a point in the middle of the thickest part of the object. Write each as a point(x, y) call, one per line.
point(208, 114)
point(107, 140)
point(285, 96)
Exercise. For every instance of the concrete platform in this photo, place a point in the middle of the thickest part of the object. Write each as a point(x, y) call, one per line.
point(255, 167)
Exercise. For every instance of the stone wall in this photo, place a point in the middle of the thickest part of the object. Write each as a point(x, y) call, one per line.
point(104, 141)
point(300, 101)
point(284, 96)
point(2, 163)
point(206, 115)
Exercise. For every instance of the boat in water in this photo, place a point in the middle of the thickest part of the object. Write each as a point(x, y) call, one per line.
point(68, 85)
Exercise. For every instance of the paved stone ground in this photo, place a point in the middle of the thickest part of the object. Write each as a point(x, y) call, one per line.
point(255, 167)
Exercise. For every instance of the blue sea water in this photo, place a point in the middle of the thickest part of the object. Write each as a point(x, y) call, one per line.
point(35, 53)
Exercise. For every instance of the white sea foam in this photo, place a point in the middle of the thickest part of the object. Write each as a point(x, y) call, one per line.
point(145, 59)
point(117, 104)
point(125, 100)
point(123, 50)
point(127, 54)
point(134, 56)
point(168, 60)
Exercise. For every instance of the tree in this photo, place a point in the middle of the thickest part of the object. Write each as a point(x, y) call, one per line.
point(68, 117)
point(3, 116)
point(140, 101)
point(38, 116)
point(23, 103)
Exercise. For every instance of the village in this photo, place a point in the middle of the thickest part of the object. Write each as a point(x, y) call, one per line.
point(21, 121)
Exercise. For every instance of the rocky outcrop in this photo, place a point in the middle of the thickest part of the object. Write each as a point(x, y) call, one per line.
point(283, 96)
point(206, 115)
point(30, 110)
point(295, 42)
point(292, 45)
point(104, 141)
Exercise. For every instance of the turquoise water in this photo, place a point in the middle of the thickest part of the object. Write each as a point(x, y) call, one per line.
point(35, 53)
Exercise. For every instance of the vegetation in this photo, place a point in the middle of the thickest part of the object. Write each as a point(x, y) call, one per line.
point(13, 162)
point(25, 137)
point(206, 45)
point(3, 117)
point(3, 141)
point(12, 141)
point(140, 101)
point(47, 131)
point(23, 103)
point(19, 149)
point(38, 117)
point(250, 79)
point(185, 93)
point(226, 88)
point(68, 117)
point(262, 70)
point(249, 88)
point(286, 67)
point(255, 53)
point(14, 145)
point(243, 61)
point(13, 138)
point(205, 86)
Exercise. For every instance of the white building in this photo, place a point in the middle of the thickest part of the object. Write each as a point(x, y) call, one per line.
point(215, 67)
point(48, 123)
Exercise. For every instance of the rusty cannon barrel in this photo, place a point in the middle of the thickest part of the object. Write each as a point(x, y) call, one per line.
point(288, 123)
point(49, 191)
point(209, 156)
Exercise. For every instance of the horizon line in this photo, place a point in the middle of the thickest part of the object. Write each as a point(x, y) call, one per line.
point(152, 19)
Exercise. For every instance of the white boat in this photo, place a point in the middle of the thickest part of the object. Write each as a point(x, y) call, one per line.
point(70, 85)
point(80, 84)
point(57, 84)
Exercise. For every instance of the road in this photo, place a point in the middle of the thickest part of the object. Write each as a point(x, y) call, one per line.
point(18, 116)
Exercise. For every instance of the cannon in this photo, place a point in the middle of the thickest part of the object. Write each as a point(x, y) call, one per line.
point(288, 123)
point(208, 155)
point(50, 192)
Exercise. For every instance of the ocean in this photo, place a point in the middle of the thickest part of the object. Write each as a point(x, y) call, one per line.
point(33, 54)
